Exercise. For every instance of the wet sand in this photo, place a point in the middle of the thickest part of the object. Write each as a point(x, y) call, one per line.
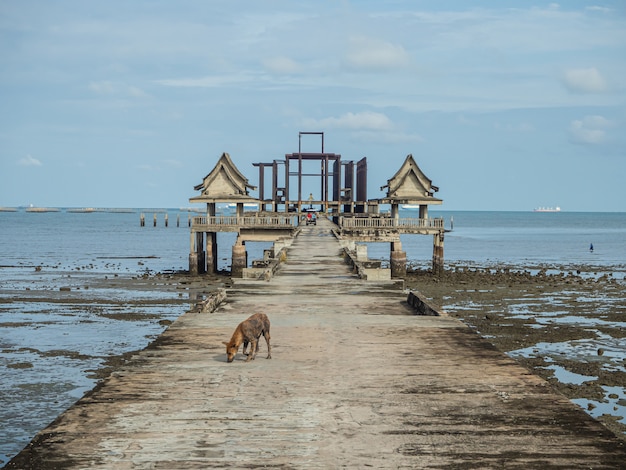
point(567, 327)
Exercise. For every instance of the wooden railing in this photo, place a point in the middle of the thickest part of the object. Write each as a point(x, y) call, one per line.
point(366, 223)
point(256, 222)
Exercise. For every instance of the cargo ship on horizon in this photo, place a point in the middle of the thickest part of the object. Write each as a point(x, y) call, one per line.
point(547, 209)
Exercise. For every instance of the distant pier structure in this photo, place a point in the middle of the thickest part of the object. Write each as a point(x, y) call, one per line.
point(341, 195)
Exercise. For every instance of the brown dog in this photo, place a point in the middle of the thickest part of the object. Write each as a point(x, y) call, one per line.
point(250, 331)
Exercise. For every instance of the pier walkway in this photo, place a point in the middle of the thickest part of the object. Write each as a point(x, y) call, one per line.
point(355, 381)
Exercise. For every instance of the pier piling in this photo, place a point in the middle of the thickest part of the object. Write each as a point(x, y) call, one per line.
point(438, 258)
point(239, 259)
point(398, 260)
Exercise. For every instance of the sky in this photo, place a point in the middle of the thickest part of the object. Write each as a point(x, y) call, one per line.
point(504, 105)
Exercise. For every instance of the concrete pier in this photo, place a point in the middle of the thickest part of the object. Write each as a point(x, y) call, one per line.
point(355, 381)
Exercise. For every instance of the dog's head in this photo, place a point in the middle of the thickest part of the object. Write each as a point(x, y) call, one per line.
point(231, 350)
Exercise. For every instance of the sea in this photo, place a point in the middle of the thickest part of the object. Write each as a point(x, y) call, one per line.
point(47, 353)
point(524, 240)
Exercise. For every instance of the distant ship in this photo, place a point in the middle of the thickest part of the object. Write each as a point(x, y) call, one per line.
point(246, 205)
point(410, 207)
point(547, 209)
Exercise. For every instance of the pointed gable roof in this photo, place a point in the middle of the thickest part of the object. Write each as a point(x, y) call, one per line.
point(411, 185)
point(224, 183)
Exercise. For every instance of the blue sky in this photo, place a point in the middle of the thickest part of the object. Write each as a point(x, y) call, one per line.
point(504, 105)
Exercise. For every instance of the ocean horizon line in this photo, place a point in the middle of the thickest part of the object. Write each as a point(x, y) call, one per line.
point(118, 209)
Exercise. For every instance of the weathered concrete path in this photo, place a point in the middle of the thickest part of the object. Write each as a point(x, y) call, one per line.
point(356, 381)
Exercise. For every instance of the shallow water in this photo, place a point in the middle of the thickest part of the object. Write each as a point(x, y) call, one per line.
point(612, 404)
point(522, 240)
point(50, 349)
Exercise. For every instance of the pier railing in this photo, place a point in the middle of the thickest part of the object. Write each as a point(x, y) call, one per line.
point(224, 223)
point(377, 223)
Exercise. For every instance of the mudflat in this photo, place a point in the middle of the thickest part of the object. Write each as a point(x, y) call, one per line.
point(567, 326)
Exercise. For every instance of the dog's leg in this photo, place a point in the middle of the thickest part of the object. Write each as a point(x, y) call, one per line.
point(253, 346)
point(266, 334)
point(245, 345)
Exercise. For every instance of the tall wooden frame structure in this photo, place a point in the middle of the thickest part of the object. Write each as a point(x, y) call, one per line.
point(338, 190)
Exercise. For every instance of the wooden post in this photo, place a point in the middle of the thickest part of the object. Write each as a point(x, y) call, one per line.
point(142, 220)
point(166, 219)
point(177, 220)
point(154, 220)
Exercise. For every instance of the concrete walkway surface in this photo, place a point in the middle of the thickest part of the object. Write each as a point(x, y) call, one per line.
point(356, 381)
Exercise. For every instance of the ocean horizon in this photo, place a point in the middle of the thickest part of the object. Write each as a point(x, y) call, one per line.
point(522, 238)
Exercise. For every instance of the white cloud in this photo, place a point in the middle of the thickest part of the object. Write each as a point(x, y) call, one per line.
point(106, 87)
point(281, 65)
point(367, 126)
point(171, 162)
point(464, 120)
point(209, 81)
point(147, 168)
point(136, 92)
point(366, 120)
point(29, 160)
point(599, 9)
point(102, 88)
point(161, 165)
point(590, 130)
point(387, 137)
point(588, 80)
point(142, 132)
point(518, 127)
point(369, 53)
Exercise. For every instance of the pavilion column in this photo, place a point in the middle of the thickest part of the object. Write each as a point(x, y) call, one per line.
point(395, 213)
point(193, 255)
point(239, 259)
point(438, 253)
point(201, 253)
point(211, 252)
point(398, 260)
point(196, 254)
